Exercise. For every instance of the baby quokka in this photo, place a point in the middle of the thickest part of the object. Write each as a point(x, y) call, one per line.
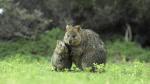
point(60, 58)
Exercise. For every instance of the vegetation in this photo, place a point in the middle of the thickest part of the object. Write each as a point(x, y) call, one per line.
point(29, 30)
point(42, 46)
point(28, 61)
point(26, 18)
point(45, 43)
point(19, 22)
point(16, 71)
point(121, 50)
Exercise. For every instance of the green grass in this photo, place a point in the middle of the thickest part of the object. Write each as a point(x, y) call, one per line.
point(28, 62)
point(17, 71)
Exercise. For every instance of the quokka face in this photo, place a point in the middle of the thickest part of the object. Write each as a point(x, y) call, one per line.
point(72, 36)
point(61, 47)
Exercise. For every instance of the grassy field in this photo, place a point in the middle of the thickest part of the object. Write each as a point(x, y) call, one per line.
point(15, 71)
point(27, 62)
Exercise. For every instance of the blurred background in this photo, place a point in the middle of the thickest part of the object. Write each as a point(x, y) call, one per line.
point(31, 27)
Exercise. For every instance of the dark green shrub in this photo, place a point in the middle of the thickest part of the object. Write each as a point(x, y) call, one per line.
point(42, 46)
point(108, 17)
point(121, 51)
point(19, 22)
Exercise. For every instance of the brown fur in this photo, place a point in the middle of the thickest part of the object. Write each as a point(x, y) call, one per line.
point(86, 46)
point(60, 59)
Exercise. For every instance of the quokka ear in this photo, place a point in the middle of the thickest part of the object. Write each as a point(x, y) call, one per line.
point(78, 27)
point(68, 27)
point(58, 41)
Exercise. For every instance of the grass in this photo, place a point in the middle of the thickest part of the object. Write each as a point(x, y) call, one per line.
point(27, 62)
point(15, 71)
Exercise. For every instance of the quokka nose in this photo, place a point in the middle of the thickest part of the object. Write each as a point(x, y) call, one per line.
point(70, 42)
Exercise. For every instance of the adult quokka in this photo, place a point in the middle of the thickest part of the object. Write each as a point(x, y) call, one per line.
point(86, 47)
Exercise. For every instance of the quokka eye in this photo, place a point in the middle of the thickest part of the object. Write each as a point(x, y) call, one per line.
point(68, 35)
point(74, 36)
point(61, 60)
point(60, 45)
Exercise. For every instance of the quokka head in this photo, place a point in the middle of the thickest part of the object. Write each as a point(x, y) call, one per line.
point(61, 47)
point(72, 36)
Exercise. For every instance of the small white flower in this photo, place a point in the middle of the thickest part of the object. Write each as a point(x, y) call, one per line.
point(1, 11)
